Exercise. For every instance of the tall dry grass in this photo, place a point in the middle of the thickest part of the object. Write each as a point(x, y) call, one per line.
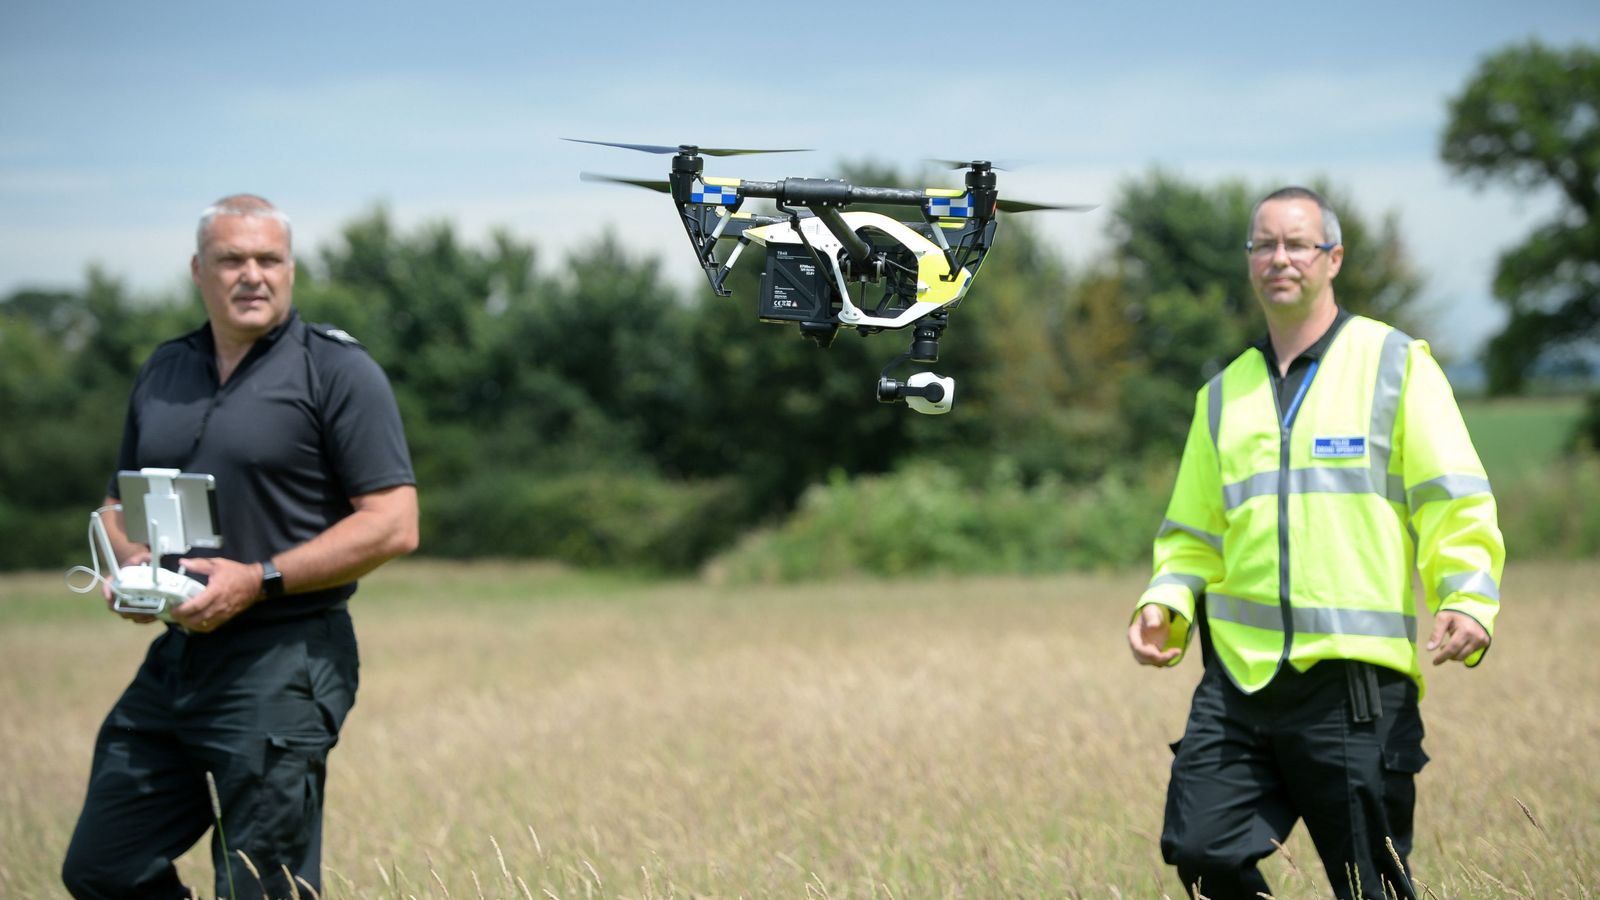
point(522, 732)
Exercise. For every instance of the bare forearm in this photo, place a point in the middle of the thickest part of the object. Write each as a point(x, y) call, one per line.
point(383, 526)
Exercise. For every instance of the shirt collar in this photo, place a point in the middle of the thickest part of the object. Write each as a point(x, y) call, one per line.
point(1318, 348)
point(203, 339)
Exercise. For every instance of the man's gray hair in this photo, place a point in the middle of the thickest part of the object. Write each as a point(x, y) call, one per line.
point(1330, 219)
point(247, 205)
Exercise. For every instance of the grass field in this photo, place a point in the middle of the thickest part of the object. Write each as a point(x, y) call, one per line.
point(525, 732)
point(1516, 436)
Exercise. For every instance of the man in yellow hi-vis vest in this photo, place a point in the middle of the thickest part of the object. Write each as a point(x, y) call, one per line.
point(1323, 466)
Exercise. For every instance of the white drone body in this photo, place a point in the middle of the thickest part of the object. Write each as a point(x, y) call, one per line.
point(176, 517)
point(936, 288)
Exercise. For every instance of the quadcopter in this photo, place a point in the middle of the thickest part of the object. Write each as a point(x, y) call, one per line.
point(828, 266)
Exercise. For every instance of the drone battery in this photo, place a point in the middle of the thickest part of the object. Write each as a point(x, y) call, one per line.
point(794, 288)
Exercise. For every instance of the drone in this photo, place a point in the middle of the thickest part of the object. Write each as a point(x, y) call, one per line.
point(828, 266)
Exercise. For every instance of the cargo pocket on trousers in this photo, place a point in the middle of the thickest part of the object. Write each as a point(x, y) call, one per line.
point(1404, 761)
point(291, 790)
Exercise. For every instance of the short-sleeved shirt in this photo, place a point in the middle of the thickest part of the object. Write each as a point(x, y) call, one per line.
point(306, 422)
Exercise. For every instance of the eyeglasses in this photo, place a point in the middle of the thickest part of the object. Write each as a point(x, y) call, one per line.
point(1299, 252)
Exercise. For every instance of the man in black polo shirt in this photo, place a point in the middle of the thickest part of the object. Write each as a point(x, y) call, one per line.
point(314, 489)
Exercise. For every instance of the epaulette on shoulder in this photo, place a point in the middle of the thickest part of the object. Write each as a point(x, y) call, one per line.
point(337, 335)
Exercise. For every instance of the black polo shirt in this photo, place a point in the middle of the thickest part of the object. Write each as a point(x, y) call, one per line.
point(1288, 385)
point(306, 422)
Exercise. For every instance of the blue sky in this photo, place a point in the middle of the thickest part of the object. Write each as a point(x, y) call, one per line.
point(120, 121)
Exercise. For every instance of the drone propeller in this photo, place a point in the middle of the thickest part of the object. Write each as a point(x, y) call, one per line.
point(664, 187)
point(1004, 165)
point(1020, 206)
point(686, 148)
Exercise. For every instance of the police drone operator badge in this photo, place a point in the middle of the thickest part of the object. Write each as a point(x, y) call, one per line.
point(904, 274)
point(172, 512)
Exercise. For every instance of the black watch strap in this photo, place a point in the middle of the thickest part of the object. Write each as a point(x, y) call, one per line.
point(271, 579)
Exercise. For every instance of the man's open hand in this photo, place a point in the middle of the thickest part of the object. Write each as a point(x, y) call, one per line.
point(1148, 635)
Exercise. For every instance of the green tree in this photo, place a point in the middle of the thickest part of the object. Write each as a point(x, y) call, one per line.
point(547, 414)
point(1529, 117)
point(67, 360)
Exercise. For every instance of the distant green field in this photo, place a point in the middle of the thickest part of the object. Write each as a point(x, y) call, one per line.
point(1515, 436)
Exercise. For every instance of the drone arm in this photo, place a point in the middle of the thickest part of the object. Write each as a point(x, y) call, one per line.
point(887, 196)
point(857, 249)
point(816, 192)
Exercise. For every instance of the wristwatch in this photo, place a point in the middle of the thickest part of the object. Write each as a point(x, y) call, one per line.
point(271, 579)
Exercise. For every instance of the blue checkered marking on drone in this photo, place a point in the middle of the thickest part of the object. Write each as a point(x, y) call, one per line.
point(715, 194)
point(951, 207)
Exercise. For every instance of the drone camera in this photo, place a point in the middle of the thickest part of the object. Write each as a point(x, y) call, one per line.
point(924, 392)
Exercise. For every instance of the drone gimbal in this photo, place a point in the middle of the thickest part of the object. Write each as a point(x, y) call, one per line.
point(822, 257)
point(924, 392)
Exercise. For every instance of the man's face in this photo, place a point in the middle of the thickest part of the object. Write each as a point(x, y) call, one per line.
point(1287, 269)
point(245, 273)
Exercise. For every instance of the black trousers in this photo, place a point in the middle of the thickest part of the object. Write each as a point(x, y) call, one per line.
point(259, 709)
point(1249, 765)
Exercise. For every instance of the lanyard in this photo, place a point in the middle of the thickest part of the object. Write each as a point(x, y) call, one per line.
point(1294, 405)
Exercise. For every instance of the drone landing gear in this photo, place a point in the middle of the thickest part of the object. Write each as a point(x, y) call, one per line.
point(925, 392)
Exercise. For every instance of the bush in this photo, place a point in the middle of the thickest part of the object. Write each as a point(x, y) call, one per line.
point(596, 518)
point(1553, 511)
point(43, 539)
point(924, 519)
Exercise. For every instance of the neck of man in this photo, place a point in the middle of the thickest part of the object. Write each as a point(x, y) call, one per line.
point(1293, 330)
point(231, 350)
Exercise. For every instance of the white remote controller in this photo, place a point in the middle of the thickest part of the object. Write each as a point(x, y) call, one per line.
point(151, 591)
point(172, 511)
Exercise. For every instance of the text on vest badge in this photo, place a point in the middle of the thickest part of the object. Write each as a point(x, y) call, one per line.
point(1338, 447)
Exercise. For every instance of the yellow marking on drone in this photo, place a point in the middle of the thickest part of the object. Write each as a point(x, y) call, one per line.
point(944, 192)
point(721, 182)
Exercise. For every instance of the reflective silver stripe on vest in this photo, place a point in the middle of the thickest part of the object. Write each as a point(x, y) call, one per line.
point(1214, 406)
point(1168, 526)
point(1380, 437)
point(1385, 406)
point(1366, 622)
point(1313, 481)
point(1261, 484)
point(1480, 583)
point(1223, 608)
point(1446, 487)
point(1194, 583)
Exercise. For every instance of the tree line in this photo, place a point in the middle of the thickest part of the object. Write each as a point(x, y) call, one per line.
point(595, 412)
point(587, 409)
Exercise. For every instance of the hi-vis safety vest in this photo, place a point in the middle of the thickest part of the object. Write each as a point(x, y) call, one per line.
point(1299, 529)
